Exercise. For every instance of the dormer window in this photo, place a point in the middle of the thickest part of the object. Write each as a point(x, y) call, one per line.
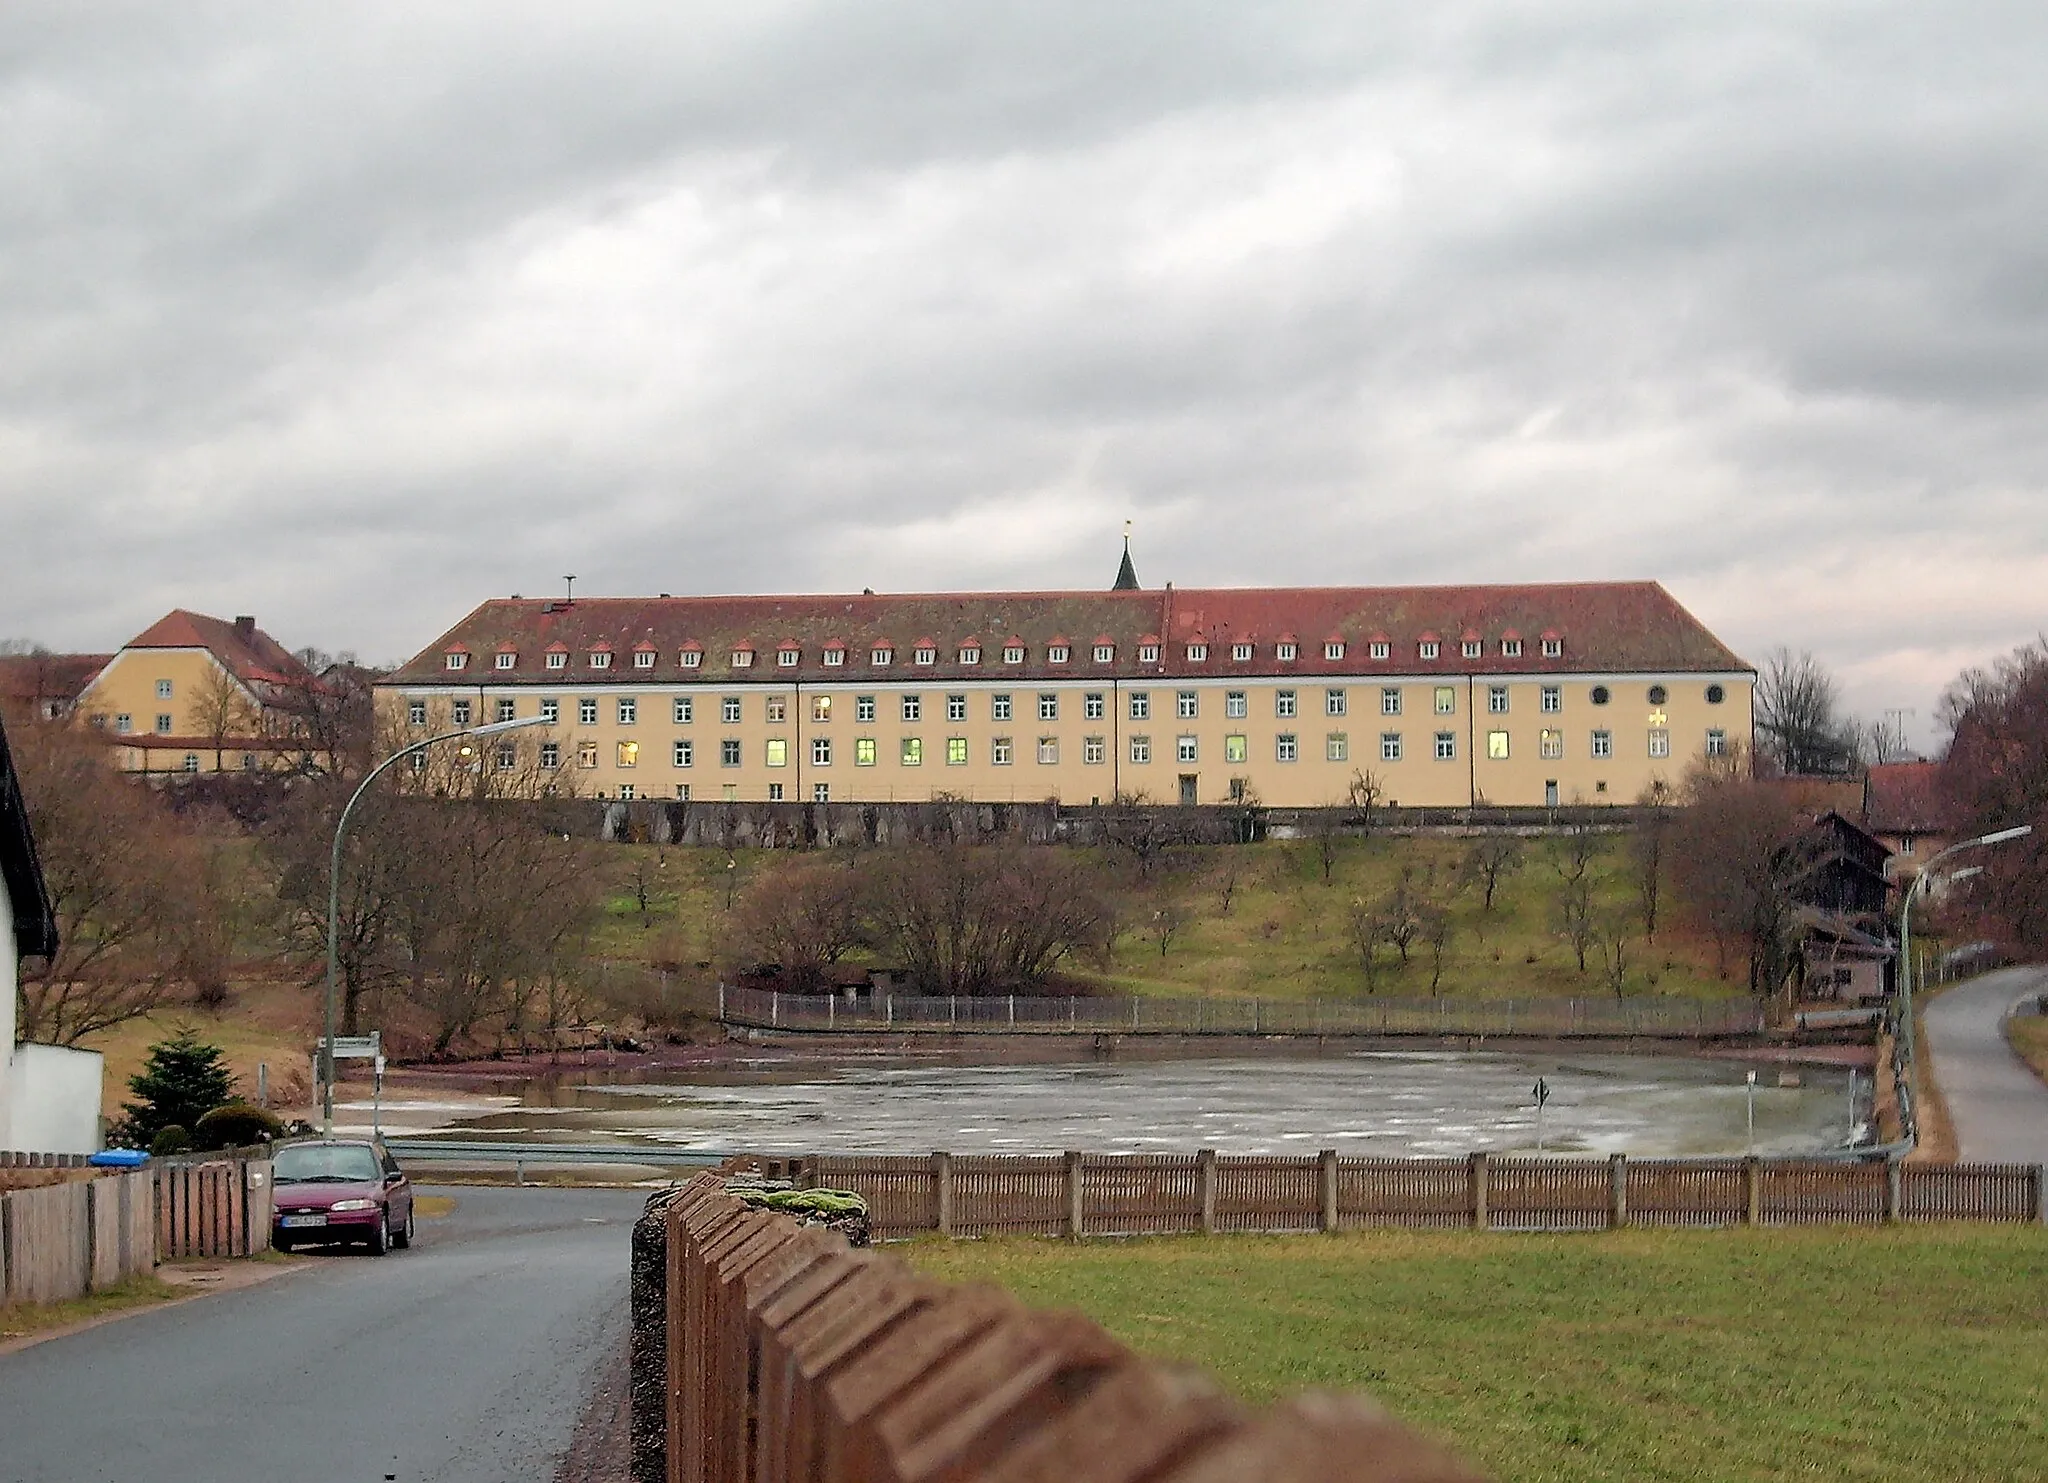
point(600, 659)
point(1057, 654)
point(743, 659)
point(558, 659)
point(1013, 653)
point(1511, 648)
point(835, 656)
point(1105, 653)
point(924, 654)
point(1427, 649)
point(456, 659)
point(881, 654)
point(1242, 653)
point(1553, 648)
point(1473, 648)
point(690, 658)
point(1285, 652)
point(643, 659)
point(1197, 653)
point(970, 654)
point(1381, 649)
point(1148, 653)
point(1334, 649)
point(787, 658)
point(507, 659)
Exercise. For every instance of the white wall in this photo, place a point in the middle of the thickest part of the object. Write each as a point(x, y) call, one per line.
point(9, 978)
point(57, 1099)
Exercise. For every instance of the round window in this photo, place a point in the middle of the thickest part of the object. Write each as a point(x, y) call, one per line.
point(1599, 696)
point(1715, 695)
point(1658, 695)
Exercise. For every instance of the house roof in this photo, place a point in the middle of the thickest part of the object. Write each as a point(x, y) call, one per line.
point(21, 873)
point(1905, 798)
point(243, 649)
point(1618, 627)
point(30, 679)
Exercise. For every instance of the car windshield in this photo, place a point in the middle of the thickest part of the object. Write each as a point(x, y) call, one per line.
point(326, 1163)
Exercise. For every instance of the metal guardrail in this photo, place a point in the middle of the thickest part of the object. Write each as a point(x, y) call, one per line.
point(522, 1155)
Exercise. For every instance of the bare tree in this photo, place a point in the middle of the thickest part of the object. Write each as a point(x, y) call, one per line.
point(1228, 876)
point(226, 711)
point(1439, 929)
point(1800, 727)
point(1326, 838)
point(978, 919)
point(1489, 860)
point(1573, 855)
point(1169, 916)
point(1731, 849)
point(1368, 935)
point(1648, 848)
point(1613, 939)
point(1996, 776)
point(803, 919)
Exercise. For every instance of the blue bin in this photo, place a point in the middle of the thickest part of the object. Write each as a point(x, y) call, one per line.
point(119, 1158)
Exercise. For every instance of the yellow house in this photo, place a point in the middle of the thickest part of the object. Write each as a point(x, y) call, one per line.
point(1532, 695)
point(193, 694)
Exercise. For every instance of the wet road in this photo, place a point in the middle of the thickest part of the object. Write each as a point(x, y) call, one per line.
point(469, 1357)
point(1999, 1107)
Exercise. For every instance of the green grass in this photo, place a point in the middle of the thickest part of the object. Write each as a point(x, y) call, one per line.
point(1916, 1354)
point(19, 1320)
point(1286, 935)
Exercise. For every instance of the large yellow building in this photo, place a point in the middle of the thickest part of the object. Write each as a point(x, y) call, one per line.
point(1553, 694)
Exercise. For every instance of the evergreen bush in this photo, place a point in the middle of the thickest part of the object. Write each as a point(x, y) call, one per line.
point(234, 1124)
point(180, 1083)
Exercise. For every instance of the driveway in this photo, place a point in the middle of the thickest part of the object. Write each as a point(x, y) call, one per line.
point(1999, 1107)
point(469, 1357)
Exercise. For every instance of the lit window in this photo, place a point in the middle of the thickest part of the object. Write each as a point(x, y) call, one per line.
point(1497, 700)
point(1285, 653)
point(1186, 705)
point(956, 751)
point(778, 752)
point(821, 792)
point(821, 751)
point(1426, 649)
point(911, 708)
point(1092, 706)
point(1013, 653)
point(1336, 747)
point(1390, 746)
point(507, 709)
point(684, 710)
point(913, 751)
point(777, 707)
point(1497, 746)
point(1660, 741)
point(1553, 699)
point(1717, 743)
point(924, 654)
point(1048, 750)
point(864, 708)
point(864, 751)
point(788, 658)
point(1603, 744)
point(629, 710)
point(415, 715)
point(1511, 648)
point(1105, 653)
point(163, 688)
point(1141, 705)
point(1057, 654)
point(1446, 700)
point(1473, 648)
point(601, 659)
point(1235, 748)
point(729, 752)
point(586, 712)
point(835, 658)
point(999, 751)
point(1552, 744)
point(1141, 749)
point(970, 655)
point(684, 754)
point(999, 708)
point(1242, 653)
point(1553, 648)
point(551, 711)
point(743, 659)
point(1148, 653)
point(1048, 707)
point(729, 710)
point(550, 755)
point(1197, 653)
point(821, 707)
point(1093, 752)
point(690, 658)
point(642, 659)
point(628, 754)
point(1283, 703)
point(558, 659)
point(881, 656)
point(460, 712)
point(1333, 702)
point(511, 661)
point(1285, 747)
point(1446, 746)
point(1334, 649)
point(956, 708)
point(1234, 704)
point(454, 661)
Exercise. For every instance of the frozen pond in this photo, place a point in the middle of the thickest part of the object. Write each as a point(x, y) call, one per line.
point(1365, 1102)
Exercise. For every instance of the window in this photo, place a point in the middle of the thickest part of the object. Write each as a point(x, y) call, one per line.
point(1197, 653)
point(1716, 694)
point(1497, 746)
point(1553, 699)
point(1426, 649)
point(415, 715)
point(163, 689)
point(1013, 653)
point(956, 751)
point(627, 754)
point(1380, 649)
point(684, 754)
point(999, 751)
point(1906, 846)
point(558, 659)
point(821, 751)
point(1658, 695)
point(1187, 705)
point(1234, 705)
point(956, 708)
point(683, 710)
point(1185, 749)
point(1141, 705)
point(1497, 700)
point(881, 655)
point(629, 710)
point(453, 661)
point(778, 752)
point(505, 753)
point(1283, 703)
point(730, 792)
point(1093, 752)
point(682, 792)
point(586, 712)
point(1603, 744)
point(1390, 701)
point(690, 658)
point(551, 711)
point(1660, 741)
point(924, 654)
point(1148, 653)
point(1092, 706)
point(1057, 654)
point(729, 752)
point(864, 751)
point(1717, 743)
point(1551, 744)
point(787, 658)
point(1553, 648)
point(821, 792)
point(864, 709)
point(191, 762)
point(775, 792)
point(1048, 750)
point(1446, 700)
point(163, 722)
point(743, 659)
point(1241, 652)
point(1511, 648)
point(601, 659)
point(419, 763)
point(835, 657)
point(1446, 746)
point(1333, 702)
point(778, 709)
point(912, 708)
point(459, 711)
point(507, 709)
point(1141, 749)
point(626, 792)
point(586, 754)
point(1337, 747)
point(1235, 748)
point(1472, 648)
point(1105, 653)
point(550, 755)
point(729, 710)
point(821, 707)
point(970, 654)
point(1599, 695)
point(1390, 746)
point(999, 708)
point(1285, 747)
point(913, 751)
point(1334, 649)
point(1284, 653)
point(1048, 707)
point(642, 659)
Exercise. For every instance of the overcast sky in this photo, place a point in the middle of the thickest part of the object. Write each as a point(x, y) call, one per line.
point(350, 316)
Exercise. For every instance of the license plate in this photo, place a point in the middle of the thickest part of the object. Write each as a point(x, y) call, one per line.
point(292, 1222)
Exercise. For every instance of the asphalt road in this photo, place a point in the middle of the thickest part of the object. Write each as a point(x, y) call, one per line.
point(469, 1357)
point(1998, 1106)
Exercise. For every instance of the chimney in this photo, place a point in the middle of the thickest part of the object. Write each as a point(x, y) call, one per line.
point(245, 628)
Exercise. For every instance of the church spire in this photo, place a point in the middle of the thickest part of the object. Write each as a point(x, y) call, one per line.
point(1126, 575)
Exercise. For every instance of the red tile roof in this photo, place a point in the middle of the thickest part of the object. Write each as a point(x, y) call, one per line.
point(31, 679)
point(1610, 627)
point(245, 650)
point(1906, 798)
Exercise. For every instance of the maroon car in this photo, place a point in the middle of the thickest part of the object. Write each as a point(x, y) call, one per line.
point(339, 1190)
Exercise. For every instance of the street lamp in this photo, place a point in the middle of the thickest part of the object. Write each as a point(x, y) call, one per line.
point(334, 896)
point(1919, 888)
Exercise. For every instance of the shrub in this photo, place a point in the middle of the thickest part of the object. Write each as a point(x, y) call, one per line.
point(182, 1081)
point(170, 1139)
point(235, 1124)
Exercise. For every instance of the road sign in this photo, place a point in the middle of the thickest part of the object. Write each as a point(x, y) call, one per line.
point(353, 1047)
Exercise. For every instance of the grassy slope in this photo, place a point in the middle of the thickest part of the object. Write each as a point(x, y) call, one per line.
point(1287, 934)
point(1901, 1354)
point(2029, 1036)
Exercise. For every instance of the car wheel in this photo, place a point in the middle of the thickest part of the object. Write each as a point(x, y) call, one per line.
point(380, 1239)
point(401, 1239)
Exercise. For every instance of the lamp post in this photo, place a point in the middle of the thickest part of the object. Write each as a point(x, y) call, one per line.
point(1919, 888)
point(326, 1067)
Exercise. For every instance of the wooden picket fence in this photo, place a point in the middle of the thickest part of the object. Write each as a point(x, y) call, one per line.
point(64, 1240)
point(767, 1352)
point(213, 1208)
point(1164, 1194)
